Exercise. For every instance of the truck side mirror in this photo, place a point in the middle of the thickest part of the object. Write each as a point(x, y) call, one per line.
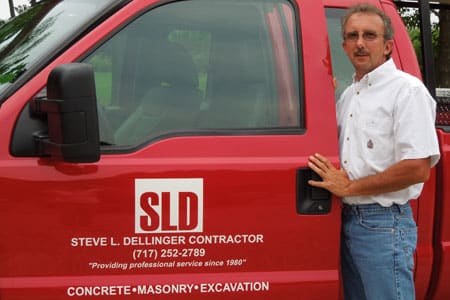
point(71, 108)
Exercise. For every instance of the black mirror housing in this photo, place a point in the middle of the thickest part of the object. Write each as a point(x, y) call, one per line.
point(71, 108)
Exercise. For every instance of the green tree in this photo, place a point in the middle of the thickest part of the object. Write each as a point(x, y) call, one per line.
point(443, 53)
point(440, 31)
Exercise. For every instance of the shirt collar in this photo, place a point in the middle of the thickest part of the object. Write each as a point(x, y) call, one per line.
point(380, 73)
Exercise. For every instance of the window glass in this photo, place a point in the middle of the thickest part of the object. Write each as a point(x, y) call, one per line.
point(194, 66)
point(27, 40)
point(342, 68)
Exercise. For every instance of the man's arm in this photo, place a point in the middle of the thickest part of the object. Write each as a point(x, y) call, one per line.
point(399, 176)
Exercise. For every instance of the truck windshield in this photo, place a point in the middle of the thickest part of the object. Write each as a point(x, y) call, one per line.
point(31, 39)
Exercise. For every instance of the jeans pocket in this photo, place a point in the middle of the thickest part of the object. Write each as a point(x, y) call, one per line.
point(381, 222)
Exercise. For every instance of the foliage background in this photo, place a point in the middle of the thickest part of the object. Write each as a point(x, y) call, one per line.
point(440, 31)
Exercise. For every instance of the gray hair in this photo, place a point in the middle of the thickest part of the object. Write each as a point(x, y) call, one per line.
point(369, 9)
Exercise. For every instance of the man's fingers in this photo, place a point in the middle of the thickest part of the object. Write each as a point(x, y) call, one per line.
point(325, 161)
point(318, 165)
point(335, 180)
point(316, 168)
point(319, 184)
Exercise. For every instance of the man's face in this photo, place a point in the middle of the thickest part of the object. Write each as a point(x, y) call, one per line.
point(364, 42)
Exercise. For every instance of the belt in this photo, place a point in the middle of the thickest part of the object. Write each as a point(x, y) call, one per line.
point(358, 209)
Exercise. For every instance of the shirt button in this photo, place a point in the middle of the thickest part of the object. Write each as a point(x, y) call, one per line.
point(348, 139)
point(357, 93)
point(345, 161)
point(351, 115)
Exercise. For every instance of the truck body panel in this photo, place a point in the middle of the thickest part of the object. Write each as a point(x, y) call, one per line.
point(218, 208)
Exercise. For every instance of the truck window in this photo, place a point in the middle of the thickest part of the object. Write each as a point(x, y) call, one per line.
point(25, 41)
point(196, 67)
point(342, 68)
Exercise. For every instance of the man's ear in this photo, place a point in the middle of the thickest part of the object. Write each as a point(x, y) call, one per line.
point(388, 46)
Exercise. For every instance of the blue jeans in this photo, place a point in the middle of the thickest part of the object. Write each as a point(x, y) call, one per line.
point(377, 252)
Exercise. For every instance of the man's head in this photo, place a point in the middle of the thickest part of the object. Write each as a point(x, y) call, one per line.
point(368, 37)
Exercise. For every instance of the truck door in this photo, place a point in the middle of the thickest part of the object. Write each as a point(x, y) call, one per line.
point(208, 112)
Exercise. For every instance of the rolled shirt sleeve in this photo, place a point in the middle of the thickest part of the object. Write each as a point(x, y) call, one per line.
point(414, 131)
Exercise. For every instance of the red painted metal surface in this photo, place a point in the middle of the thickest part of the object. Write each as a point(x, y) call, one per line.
point(70, 229)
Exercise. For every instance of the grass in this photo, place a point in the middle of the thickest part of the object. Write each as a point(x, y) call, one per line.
point(103, 86)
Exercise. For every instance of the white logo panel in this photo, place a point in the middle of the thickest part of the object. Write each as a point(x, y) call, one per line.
point(168, 205)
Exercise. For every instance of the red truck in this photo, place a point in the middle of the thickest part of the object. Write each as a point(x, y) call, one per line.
point(159, 149)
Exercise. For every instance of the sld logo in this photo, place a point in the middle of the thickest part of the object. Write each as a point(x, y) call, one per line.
point(168, 205)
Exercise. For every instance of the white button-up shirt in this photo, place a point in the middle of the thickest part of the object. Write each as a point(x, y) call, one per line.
point(386, 117)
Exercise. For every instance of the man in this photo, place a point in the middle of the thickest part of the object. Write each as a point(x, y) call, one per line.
point(388, 144)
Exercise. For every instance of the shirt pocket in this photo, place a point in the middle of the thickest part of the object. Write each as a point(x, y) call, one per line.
point(376, 139)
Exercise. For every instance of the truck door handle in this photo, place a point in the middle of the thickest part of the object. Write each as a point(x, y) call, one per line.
point(311, 200)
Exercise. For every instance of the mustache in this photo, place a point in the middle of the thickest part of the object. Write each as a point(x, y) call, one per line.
point(361, 52)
